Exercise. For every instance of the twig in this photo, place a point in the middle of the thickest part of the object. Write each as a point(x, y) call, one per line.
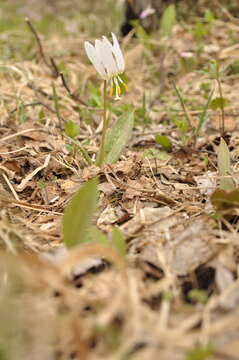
point(33, 30)
point(38, 90)
point(35, 104)
point(51, 65)
point(45, 208)
point(22, 132)
point(54, 67)
point(10, 186)
point(72, 95)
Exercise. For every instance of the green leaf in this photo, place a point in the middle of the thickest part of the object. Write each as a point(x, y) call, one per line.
point(168, 20)
point(156, 154)
point(199, 31)
point(164, 142)
point(95, 235)
point(198, 295)
point(118, 241)
point(78, 214)
point(200, 353)
point(118, 136)
point(209, 16)
point(224, 168)
point(71, 129)
point(218, 103)
point(83, 151)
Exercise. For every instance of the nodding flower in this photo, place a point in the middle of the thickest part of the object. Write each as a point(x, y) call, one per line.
point(108, 61)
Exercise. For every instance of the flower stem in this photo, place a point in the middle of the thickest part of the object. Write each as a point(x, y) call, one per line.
point(101, 157)
point(222, 122)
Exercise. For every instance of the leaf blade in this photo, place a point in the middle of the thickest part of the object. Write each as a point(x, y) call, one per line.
point(118, 136)
point(118, 241)
point(78, 214)
point(224, 168)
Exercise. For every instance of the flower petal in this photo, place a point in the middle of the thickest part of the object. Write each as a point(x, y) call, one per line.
point(104, 52)
point(118, 53)
point(94, 57)
point(108, 60)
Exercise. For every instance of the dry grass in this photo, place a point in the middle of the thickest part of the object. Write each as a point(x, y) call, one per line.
point(177, 290)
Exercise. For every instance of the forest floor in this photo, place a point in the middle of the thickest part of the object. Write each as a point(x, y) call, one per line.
point(175, 295)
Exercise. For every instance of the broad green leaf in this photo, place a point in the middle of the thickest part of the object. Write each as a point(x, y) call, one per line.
point(118, 241)
point(95, 235)
point(78, 214)
point(218, 103)
point(118, 136)
point(71, 129)
point(164, 142)
point(168, 20)
point(224, 168)
point(224, 200)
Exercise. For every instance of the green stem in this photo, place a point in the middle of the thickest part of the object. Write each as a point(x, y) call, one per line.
point(222, 122)
point(101, 157)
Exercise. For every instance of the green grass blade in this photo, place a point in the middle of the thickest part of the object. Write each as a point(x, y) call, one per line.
point(56, 102)
point(83, 151)
point(203, 116)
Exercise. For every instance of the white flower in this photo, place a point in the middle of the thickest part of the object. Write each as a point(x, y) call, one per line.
point(108, 60)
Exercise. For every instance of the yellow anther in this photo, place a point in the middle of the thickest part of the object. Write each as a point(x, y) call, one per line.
point(119, 89)
point(111, 91)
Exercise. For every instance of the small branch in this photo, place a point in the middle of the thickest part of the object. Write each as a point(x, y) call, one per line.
point(33, 30)
point(72, 95)
point(51, 65)
point(34, 104)
point(33, 87)
point(54, 67)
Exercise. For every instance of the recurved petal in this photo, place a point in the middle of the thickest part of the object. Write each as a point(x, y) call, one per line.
point(108, 60)
point(94, 57)
point(118, 53)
